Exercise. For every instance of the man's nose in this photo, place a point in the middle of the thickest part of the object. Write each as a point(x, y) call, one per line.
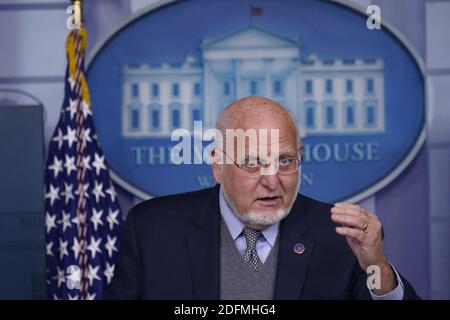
point(270, 181)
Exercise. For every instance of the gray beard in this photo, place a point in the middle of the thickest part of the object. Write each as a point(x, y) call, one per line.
point(261, 218)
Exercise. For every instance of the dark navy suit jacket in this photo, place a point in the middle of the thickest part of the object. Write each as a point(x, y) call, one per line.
point(170, 250)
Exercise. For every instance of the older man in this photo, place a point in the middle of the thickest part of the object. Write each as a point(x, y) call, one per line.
point(253, 236)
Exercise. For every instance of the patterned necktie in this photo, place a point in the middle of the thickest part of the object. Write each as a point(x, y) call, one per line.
point(250, 254)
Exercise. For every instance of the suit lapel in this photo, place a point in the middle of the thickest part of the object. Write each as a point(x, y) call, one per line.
point(204, 248)
point(292, 266)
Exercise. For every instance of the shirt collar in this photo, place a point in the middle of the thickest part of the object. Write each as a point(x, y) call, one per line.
point(235, 225)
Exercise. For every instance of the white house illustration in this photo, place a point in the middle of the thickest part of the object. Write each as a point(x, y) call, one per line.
point(341, 96)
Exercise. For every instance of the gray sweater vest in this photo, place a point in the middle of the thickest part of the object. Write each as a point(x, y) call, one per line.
point(237, 279)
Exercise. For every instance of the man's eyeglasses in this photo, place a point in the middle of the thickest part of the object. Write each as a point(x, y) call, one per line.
point(254, 167)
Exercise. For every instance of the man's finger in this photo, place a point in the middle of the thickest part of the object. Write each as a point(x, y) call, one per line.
point(350, 221)
point(353, 233)
point(347, 205)
point(350, 210)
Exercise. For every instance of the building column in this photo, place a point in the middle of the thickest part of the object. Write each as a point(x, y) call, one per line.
point(268, 78)
point(293, 94)
point(207, 92)
point(165, 101)
point(237, 78)
point(144, 102)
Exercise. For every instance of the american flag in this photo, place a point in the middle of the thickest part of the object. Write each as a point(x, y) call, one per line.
point(82, 219)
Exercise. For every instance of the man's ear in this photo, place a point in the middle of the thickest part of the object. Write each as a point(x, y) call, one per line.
point(215, 164)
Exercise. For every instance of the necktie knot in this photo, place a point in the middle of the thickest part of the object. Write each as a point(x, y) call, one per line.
point(250, 255)
point(251, 237)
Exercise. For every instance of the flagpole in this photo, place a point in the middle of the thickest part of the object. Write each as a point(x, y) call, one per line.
point(82, 211)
